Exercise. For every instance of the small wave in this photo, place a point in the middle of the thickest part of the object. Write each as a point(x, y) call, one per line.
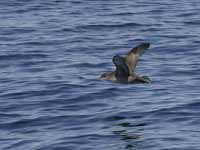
point(35, 93)
point(40, 43)
point(22, 56)
point(67, 30)
point(121, 14)
point(23, 123)
point(194, 22)
point(178, 113)
point(12, 31)
point(75, 2)
point(37, 63)
point(20, 143)
point(7, 116)
point(187, 14)
point(109, 26)
point(86, 65)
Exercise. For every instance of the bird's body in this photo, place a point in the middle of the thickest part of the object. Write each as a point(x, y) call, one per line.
point(125, 67)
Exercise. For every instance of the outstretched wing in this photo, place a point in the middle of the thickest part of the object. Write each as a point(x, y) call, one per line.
point(122, 70)
point(133, 56)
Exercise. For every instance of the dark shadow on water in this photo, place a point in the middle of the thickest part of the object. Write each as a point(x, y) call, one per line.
point(129, 134)
point(129, 137)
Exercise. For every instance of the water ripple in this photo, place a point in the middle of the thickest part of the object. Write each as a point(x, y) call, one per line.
point(53, 52)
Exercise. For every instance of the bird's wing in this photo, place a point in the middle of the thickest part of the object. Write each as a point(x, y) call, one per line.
point(133, 56)
point(122, 70)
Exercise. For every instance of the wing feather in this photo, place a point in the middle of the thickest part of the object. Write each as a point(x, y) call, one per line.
point(133, 56)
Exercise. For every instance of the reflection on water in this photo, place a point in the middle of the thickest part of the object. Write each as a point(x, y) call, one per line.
point(130, 134)
point(130, 139)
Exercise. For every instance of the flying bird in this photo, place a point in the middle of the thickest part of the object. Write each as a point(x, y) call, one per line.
point(126, 66)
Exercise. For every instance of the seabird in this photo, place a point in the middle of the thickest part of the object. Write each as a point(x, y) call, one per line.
point(125, 67)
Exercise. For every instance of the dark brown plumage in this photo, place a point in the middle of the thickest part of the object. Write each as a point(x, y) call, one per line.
point(125, 66)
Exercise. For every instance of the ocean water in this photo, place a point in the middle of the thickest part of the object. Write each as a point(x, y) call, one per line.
point(52, 53)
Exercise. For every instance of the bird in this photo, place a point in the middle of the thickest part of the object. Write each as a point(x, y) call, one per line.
point(126, 66)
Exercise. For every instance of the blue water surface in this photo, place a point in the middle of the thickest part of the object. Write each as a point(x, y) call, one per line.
point(52, 53)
